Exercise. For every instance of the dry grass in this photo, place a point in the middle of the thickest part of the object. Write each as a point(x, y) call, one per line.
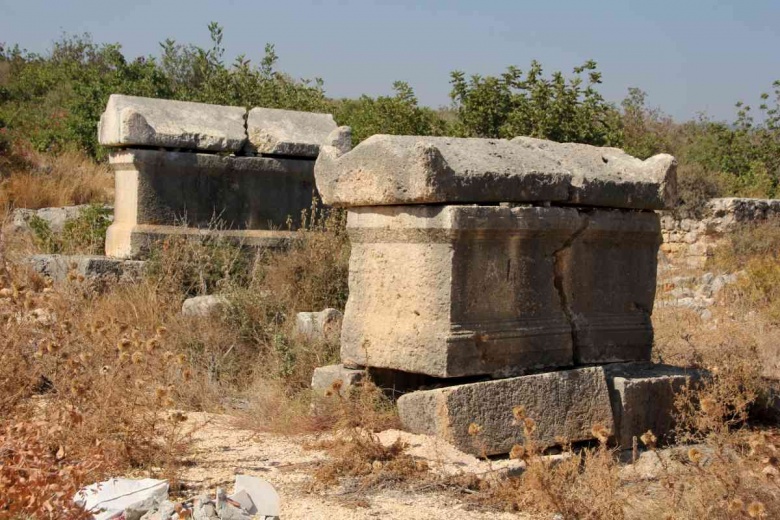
point(35, 180)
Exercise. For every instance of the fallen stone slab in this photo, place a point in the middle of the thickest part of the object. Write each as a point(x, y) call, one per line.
point(565, 407)
point(55, 218)
point(389, 170)
point(323, 378)
point(319, 326)
point(290, 133)
point(643, 396)
point(454, 291)
point(204, 306)
point(159, 190)
point(91, 267)
point(131, 121)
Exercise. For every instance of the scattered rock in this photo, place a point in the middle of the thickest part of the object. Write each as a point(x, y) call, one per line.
point(55, 218)
point(262, 494)
point(323, 378)
point(204, 306)
point(91, 267)
point(319, 326)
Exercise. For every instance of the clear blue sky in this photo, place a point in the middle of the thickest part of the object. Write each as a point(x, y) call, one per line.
point(689, 55)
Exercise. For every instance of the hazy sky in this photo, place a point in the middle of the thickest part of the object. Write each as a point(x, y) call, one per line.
point(689, 55)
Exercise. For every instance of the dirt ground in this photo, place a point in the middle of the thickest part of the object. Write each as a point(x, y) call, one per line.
point(221, 450)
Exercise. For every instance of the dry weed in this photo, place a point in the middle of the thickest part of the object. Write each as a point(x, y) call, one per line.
point(37, 180)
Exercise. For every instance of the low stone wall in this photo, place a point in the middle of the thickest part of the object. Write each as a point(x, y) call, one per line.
point(690, 241)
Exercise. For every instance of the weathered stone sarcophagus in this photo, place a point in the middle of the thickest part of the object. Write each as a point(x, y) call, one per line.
point(503, 268)
point(186, 168)
point(513, 284)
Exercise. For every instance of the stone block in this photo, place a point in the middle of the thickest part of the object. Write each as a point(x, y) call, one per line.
point(643, 396)
point(55, 217)
point(453, 291)
point(287, 132)
point(204, 306)
point(607, 278)
point(390, 170)
point(319, 326)
point(162, 193)
point(323, 377)
point(131, 121)
point(91, 267)
point(565, 406)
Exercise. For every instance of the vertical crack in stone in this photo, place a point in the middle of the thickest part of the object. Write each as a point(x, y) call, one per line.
point(558, 274)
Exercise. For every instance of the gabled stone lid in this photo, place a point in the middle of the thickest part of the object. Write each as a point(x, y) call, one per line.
point(273, 131)
point(391, 170)
point(131, 121)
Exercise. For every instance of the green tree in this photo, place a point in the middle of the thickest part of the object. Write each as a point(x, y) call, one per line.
point(553, 108)
point(397, 115)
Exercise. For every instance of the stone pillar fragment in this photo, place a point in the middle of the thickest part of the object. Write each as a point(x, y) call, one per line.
point(453, 291)
point(160, 193)
point(607, 277)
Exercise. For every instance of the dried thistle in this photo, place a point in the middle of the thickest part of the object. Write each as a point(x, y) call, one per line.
point(694, 455)
point(756, 510)
point(735, 506)
point(517, 452)
point(649, 439)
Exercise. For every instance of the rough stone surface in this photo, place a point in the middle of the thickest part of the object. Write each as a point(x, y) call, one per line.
point(565, 405)
point(319, 326)
point(95, 268)
point(389, 170)
point(55, 218)
point(204, 306)
point(691, 239)
point(286, 132)
point(609, 177)
point(642, 397)
point(607, 278)
point(323, 377)
point(157, 191)
point(138, 121)
point(454, 291)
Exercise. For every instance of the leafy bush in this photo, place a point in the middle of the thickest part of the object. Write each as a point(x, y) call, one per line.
point(556, 109)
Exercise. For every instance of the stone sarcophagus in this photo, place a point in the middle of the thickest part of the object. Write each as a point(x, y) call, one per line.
point(482, 257)
point(191, 169)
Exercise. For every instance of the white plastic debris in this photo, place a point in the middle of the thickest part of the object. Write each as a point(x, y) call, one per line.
point(111, 499)
point(264, 498)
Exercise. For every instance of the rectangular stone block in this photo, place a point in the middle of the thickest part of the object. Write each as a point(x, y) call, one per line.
point(565, 406)
point(389, 170)
point(452, 291)
point(608, 281)
point(160, 193)
point(131, 121)
point(287, 132)
point(643, 397)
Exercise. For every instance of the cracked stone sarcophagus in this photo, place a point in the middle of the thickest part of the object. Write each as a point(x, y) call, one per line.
point(474, 257)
